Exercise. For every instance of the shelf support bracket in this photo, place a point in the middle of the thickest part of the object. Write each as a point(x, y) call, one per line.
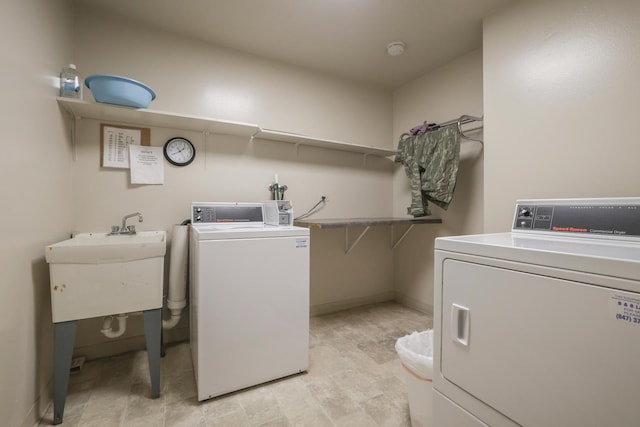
point(348, 248)
point(74, 137)
point(205, 133)
point(364, 160)
point(396, 243)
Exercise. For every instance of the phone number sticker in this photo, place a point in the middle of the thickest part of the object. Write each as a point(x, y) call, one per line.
point(626, 308)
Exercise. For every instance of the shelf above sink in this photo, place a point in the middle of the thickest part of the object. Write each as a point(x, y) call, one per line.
point(145, 117)
point(162, 119)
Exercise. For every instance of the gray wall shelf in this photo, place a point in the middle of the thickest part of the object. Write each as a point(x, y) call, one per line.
point(367, 223)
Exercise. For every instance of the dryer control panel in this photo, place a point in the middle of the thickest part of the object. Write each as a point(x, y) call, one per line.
point(223, 212)
point(603, 217)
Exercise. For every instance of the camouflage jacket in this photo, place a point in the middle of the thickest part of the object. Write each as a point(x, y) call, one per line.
point(431, 163)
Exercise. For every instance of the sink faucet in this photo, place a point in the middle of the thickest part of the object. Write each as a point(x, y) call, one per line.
point(124, 229)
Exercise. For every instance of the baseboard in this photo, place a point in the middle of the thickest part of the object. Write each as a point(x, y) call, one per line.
point(332, 307)
point(40, 406)
point(413, 303)
point(126, 345)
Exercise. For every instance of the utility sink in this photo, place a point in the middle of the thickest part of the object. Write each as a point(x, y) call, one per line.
point(99, 274)
point(101, 248)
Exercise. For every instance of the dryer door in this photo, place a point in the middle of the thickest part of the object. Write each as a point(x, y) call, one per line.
point(541, 350)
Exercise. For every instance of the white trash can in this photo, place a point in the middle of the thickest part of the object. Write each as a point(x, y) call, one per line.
point(416, 355)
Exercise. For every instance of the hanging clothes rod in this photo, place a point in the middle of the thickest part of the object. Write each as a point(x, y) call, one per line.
point(462, 120)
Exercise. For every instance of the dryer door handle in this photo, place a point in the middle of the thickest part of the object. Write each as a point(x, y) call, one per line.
point(460, 324)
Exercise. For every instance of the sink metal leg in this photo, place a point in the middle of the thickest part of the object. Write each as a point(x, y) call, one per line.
point(153, 332)
point(64, 337)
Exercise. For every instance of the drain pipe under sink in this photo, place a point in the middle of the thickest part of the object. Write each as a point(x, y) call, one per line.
point(177, 300)
point(107, 328)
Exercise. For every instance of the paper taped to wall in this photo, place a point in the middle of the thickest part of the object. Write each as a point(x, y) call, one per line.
point(146, 165)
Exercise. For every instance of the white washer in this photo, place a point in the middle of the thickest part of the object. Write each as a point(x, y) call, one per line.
point(541, 326)
point(249, 284)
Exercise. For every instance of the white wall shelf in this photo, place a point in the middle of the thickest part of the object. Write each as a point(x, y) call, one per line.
point(274, 135)
point(140, 116)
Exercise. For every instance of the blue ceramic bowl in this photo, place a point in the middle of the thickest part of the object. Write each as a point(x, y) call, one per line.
point(119, 90)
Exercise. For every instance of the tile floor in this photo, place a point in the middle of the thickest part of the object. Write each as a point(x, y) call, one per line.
point(354, 379)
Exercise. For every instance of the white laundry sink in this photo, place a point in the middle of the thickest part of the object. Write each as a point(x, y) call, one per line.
point(101, 248)
point(98, 274)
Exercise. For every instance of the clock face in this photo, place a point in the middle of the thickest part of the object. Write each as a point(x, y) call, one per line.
point(179, 151)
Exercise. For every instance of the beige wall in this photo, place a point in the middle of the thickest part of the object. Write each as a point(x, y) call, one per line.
point(441, 95)
point(191, 77)
point(35, 172)
point(562, 98)
point(204, 80)
point(560, 85)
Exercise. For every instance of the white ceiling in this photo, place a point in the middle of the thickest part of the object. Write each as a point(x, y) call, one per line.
point(345, 38)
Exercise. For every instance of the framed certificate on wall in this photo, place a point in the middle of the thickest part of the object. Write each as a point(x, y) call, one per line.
point(115, 141)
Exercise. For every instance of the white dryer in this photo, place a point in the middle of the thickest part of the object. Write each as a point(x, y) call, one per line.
point(249, 293)
point(541, 326)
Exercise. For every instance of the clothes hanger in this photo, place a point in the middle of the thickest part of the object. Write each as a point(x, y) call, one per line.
point(467, 119)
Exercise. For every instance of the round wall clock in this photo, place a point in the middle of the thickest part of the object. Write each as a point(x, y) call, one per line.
point(179, 151)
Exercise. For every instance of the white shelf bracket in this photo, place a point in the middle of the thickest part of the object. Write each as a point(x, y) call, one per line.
point(204, 145)
point(348, 248)
point(396, 243)
point(74, 136)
